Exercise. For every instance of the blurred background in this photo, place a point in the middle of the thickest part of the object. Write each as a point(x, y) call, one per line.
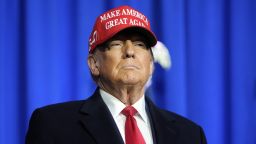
point(210, 75)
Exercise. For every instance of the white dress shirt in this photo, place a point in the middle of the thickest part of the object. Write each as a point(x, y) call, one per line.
point(115, 106)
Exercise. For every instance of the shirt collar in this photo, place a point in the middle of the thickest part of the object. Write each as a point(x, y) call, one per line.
point(140, 107)
point(115, 106)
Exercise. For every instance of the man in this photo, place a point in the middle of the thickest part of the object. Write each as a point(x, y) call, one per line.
point(121, 61)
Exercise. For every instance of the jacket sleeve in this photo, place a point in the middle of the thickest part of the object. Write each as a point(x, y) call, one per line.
point(39, 131)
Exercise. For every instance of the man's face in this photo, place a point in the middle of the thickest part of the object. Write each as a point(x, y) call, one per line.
point(125, 60)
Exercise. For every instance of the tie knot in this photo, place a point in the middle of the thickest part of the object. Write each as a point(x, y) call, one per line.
point(129, 111)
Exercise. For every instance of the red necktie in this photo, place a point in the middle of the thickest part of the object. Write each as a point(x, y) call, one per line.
point(132, 132)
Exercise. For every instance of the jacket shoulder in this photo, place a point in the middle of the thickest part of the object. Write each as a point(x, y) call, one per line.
point(56, 122)
point(65, 106)
point(56, 113)
point(187, 130)
point(171, 116)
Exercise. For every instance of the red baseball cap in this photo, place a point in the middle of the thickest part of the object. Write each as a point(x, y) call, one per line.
point(117, 19)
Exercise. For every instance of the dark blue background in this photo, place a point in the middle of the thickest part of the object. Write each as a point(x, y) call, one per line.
point(212, 81)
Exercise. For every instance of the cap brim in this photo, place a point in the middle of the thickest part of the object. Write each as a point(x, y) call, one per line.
point(150, 36)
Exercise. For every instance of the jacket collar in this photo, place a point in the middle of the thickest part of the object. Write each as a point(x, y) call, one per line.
point(162, 124)
point(98, 121)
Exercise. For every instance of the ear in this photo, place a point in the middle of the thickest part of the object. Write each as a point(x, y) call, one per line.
point(152, 64)
point(152, 67)
point(92, 63)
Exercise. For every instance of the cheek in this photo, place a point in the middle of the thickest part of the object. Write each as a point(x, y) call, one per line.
point(147, 63)
point(108, 65)
point(146, 57)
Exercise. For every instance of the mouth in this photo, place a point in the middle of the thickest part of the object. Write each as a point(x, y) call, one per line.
point(130, 67)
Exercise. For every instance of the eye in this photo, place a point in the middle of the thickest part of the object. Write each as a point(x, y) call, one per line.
point(115, 44)
point(139, 44)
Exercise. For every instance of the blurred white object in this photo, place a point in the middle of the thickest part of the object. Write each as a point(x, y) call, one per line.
point(162, 55)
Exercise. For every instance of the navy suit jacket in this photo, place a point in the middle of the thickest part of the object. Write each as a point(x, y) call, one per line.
point(90, 122)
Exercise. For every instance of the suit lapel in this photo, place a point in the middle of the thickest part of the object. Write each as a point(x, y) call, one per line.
point(163, 128)
point(98, 121)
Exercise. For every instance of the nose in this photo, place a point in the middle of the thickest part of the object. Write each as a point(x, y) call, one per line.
point(129, 49)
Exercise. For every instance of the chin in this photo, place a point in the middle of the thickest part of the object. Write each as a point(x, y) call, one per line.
point(131, 81)
point(130, 78)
